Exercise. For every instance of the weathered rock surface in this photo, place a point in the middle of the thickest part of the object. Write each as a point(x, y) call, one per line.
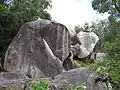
point(38, 49)
point(92, 85)
point(11, 81)
point(73, 36)
point(67, 64)
point(72, 77)
point(76, 77)
point(100, 56)
point(75, 49)
point(88, 41)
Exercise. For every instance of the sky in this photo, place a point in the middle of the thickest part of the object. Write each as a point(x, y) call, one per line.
point(74, 12)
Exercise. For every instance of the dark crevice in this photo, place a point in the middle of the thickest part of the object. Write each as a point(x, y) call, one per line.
point(1, 64)
point(67, 63)
point(102, 79)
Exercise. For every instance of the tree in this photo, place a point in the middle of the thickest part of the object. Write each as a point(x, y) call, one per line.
point(85, 28)
point(78, 29)
point(14, 13)
point(31, 9)
point(110, 6)
point(99, 27)
point(110, 41)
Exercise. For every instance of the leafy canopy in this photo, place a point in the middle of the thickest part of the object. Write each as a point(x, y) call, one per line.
point(14, 13)
point(112, 7)
point(110, 41)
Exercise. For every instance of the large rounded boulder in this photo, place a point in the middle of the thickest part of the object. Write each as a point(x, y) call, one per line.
point(88, 41)
point(38, 49)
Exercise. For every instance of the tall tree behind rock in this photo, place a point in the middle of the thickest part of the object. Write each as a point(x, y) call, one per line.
point(14, 13)
point(111, 43)
point(110, 6)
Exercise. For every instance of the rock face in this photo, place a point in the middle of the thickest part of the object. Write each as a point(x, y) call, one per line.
point(72, 77)
point(88, 41)
point(11, 81)
point(76, 77)
point(100, 56)
point(92, 85)
point(38, 49)
point(73, 36)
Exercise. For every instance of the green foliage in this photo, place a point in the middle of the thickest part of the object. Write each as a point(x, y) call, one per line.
point(13, 15)
point(36, 85)
point(78, 64)
point(110, 41)
point(109, 34)
point(85, 28)
point(100, 67)
point(82, 86)
point(28, 9)
point(110, 6)
point(78, 29)
point(99, 27)
point(42, 85)
point(110, 45)
point(7, 21)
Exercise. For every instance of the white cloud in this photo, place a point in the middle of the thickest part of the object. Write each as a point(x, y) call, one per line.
point(73, 12)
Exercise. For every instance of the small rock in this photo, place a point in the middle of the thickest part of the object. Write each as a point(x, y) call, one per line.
point(100, 56)
point(88, 41)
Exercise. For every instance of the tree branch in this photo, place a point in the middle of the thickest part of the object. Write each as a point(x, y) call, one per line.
point(117, 8)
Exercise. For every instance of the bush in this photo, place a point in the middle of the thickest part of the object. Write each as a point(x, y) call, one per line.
point(36, 85)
